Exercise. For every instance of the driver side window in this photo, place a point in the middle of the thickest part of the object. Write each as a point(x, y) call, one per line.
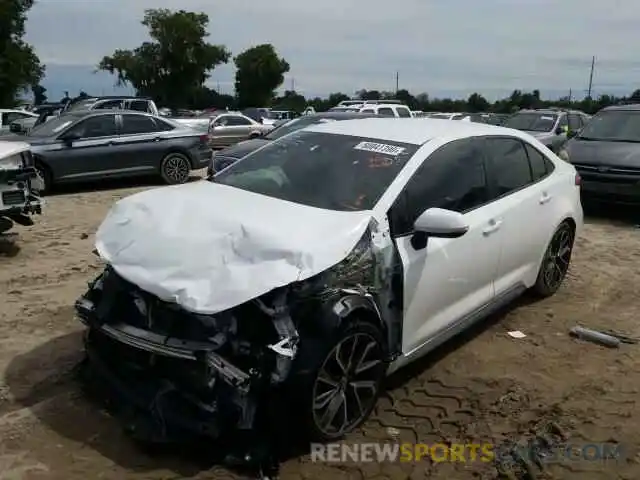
point(453, 177)
point(94, 127)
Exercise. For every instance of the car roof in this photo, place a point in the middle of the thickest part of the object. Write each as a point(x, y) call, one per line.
point(629, 107)
point(11, 148)
point(415, 131)
point(341, 114)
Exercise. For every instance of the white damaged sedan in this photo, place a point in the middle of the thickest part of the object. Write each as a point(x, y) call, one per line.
point(317, 265)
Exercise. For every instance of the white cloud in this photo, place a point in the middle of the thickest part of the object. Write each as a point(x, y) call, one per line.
point(436, 45)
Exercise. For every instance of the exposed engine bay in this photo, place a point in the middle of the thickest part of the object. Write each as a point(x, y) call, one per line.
point(217, 375)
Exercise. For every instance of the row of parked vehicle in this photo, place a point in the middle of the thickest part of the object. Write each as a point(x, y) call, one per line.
point(120, 137)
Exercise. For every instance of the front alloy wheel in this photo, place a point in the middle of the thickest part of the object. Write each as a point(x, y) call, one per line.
point(347, 384)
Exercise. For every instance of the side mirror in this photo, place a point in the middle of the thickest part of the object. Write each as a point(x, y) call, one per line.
point(437, 222)
point(70, 138)
point(572, 133)
point(559, 131)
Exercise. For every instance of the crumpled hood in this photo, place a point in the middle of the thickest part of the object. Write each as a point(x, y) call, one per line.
point(614, 154)
point(210, 247)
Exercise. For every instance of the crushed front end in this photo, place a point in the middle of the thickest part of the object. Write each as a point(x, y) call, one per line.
point(175, 372)
point(18, 191)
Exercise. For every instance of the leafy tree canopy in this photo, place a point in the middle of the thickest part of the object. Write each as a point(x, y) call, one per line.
point(259, 72)
point(175, 63)
point(20, 67)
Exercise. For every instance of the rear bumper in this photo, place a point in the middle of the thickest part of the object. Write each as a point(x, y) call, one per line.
point(202, 158)
point(628, 194)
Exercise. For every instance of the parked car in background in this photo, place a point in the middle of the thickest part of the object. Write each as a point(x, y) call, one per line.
point(260, 115)
point(140, 104)
point(19, 186)
point(388, 110)
point(606, 153)
point(496, 118)
point(97, 144)
point(44, 113)
point(229, 128)
point(549, 126)
point(306, 273)
point(8, 116)
point(228, 156)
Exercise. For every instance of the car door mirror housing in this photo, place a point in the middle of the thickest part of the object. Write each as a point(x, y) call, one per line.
point(438, 222)
point(572, 133)
point(559, 131)
point(69, 138)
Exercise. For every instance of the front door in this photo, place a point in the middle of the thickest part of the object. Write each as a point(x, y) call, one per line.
point(91, 154)
point(139, 145)
point(450, 278)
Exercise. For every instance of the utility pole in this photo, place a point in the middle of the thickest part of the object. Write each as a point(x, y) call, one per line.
point(397, 82)
point(593, 64)
point(293, 84)
point(570, 95)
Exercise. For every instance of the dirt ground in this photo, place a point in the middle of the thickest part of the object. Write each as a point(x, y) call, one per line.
point(486, 387)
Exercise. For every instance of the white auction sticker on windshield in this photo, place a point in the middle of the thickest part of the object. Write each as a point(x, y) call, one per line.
point(379, 148)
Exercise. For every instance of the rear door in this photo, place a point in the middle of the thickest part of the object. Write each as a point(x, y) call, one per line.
point(519, 203)
point(139, 145)
point(239, 128)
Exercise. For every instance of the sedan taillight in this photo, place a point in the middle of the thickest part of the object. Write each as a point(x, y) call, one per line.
point(578, 180)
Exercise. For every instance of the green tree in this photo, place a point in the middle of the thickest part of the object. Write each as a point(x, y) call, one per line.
point(175, 63)
point(291, 100)
point(39, 94)
point(477, 103)
point(259, 72)
point(19, 65)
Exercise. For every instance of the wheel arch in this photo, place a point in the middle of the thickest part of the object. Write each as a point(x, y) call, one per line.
point(181, 151)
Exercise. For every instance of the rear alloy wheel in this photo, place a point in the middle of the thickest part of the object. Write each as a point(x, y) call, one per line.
point(348, 382)
point(175, 168)
point(555, 263)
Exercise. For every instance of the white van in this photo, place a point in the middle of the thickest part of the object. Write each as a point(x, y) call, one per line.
point(388, 110)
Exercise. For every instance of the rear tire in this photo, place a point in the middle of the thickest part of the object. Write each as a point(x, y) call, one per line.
point(555, 262)
point(175, 168)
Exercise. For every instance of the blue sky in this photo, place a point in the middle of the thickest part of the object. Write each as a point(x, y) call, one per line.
point(444, 48)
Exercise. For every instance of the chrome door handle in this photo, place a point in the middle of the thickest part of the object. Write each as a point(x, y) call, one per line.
point(494, 226)
point(545, 198)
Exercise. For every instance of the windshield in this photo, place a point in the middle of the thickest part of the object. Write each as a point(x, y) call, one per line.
point(53, 126)
point(613, 126)
point(531, 122)
point(329, 171)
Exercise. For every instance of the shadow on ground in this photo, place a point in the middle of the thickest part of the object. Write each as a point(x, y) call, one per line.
point(112, 184)
point(44, 381)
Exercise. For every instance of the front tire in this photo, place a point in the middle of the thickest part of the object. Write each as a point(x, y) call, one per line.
point(175, 168)
point(45, 175)
point(555, 263)
point(343, 389)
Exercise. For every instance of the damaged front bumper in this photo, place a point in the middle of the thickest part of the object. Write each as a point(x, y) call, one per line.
point(180, 371)
point(18, 195)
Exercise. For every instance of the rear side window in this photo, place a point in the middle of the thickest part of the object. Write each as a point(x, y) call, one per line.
point(509, 164)
point(109, 105)
point(386, 111)
point(139, 105)
point(133, 124)
point(541, 166)
point(403, 112)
